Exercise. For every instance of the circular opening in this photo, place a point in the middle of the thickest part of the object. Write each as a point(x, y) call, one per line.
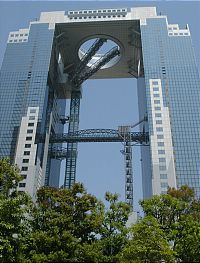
point(106, 47)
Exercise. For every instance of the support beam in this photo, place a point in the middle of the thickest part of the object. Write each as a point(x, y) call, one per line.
point(88, 56)
point(96, 66)
point(71, 155)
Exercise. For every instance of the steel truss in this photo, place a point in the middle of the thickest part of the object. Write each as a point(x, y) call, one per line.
point(79, 75)
point(88, 56)
point(97, 135)
point(71, 154)
point(123, 134)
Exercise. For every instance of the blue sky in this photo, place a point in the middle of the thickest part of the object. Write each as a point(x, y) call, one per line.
point(105, 103)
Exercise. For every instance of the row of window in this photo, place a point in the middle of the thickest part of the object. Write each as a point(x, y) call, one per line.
point(18, 40)
point(178, 34)
point(86, 17)
point(27, 146)
point(96, 11)
point(19, 35)
point(160, 136)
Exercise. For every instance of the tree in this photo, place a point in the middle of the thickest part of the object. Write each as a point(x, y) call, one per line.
point(65, 222)
point(114, 231)
point(178, 214)
point(186, 236)
point(14, 207)
point(147, 244)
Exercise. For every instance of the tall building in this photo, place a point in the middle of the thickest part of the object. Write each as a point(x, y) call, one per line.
point(45, 64)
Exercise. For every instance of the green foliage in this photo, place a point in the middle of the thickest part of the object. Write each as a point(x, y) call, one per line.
point(70, 225)
point(63, 220)
point(114, 231)
point(14, 208)
point(178, 214)
point(148, 243)
point(9, 177)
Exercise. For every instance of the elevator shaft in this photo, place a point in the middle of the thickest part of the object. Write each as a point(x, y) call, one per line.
point(71, 155)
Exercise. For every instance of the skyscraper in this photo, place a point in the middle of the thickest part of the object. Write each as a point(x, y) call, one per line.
point(40, 60)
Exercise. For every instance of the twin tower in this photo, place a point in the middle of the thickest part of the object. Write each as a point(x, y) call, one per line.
point(44, 66)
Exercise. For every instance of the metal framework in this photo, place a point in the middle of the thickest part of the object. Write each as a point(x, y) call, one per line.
point(85, 74)
point(88, 56)
point(123, 134)
point(81, 73)
point(71, 154)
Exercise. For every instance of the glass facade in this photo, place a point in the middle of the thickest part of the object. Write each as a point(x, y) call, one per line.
point(168, 94)
point(171, 84)
point(25, 88)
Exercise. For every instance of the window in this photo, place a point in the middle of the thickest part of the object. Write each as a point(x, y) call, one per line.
point(30, 124)
point(157, 108)
point(160, 143)
point(16, 35)
point(157, 101)
point(160, 136)
point(24, 168)
point(22, 184)
point(29, 131)
point(32, 110)
point(27, 145)
point(158, 115)
point(161, 160)
point(159, 129)
point(26, 35)
point(31, 118)
point(164, 185)
point(156, 95)
point(161, 151)
point(162, 168)
point(154, 82)
point(163, 176)
point(12, 35)
point(24, 176)
point(155, 89)
point(159, 122)
point(10, 41)
point(28, 138)
point(21, 35)
point(25, 160)
point(26, 152)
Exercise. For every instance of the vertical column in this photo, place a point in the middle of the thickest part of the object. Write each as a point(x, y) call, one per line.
point(125, 133)
point(71, 156)
point(128, 170)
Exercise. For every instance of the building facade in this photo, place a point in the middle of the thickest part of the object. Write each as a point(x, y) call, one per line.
point(35, 87)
